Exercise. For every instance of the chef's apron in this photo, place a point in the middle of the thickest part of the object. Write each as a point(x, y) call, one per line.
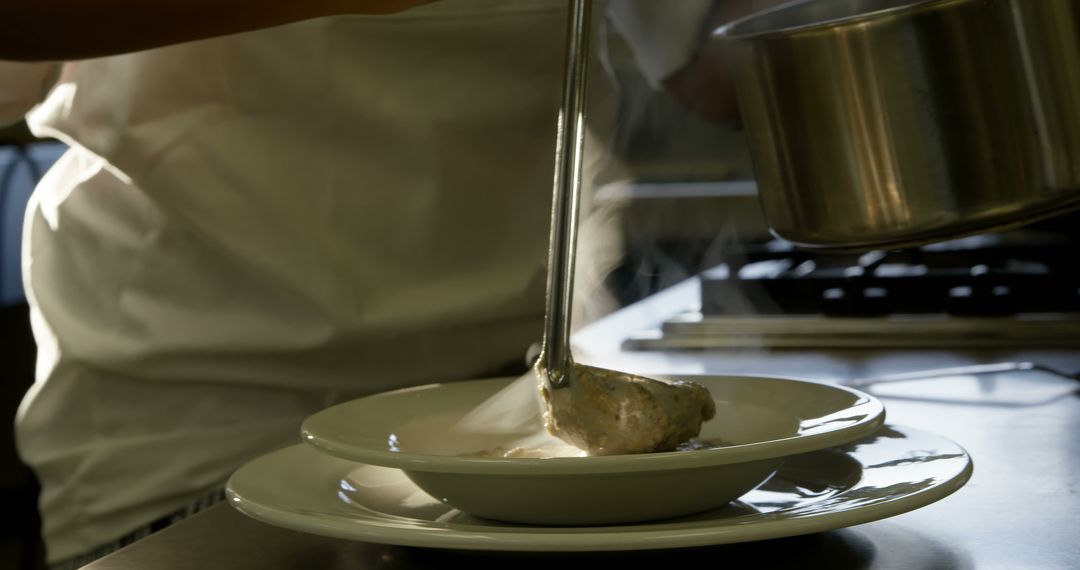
point(248, 229)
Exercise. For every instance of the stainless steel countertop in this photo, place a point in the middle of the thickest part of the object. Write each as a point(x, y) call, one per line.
point(1020, 509)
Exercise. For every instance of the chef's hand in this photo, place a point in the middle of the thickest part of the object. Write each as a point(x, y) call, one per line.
point(704, 84)
point(64, 30)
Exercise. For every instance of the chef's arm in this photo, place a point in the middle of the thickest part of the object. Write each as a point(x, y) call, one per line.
point(60, 30)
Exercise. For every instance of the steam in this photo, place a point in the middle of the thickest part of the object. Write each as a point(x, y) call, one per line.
point(516, 409)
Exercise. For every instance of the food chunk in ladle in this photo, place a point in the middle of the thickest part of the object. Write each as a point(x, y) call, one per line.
point(605, 412)
point(599, 411)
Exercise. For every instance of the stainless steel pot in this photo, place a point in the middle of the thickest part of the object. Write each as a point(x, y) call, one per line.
point(886, 123)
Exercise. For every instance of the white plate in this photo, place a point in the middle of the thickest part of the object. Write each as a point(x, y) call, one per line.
point(894, 471)
point(423, 432)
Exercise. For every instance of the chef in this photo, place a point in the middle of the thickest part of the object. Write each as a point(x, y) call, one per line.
point(272, 208)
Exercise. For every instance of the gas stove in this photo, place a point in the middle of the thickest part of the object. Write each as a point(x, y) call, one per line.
point(1015, 289)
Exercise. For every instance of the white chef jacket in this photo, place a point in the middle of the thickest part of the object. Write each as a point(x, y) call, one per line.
point(247, 229)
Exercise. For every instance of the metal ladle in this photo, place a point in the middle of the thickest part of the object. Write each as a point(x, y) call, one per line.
point(601, 411)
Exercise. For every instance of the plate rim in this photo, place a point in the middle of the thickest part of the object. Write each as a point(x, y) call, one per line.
point(368, 527)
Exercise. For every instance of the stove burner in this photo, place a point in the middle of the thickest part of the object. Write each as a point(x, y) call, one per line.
point(986, 276)
point(994, 290)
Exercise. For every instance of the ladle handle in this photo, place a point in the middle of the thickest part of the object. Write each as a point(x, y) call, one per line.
point(555, 355)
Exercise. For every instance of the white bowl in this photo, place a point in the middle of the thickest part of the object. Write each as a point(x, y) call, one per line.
point(419, 431)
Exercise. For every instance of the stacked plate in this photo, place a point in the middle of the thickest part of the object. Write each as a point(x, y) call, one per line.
point(787, 457)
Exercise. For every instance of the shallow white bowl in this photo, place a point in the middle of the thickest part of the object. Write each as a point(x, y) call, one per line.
point(418, 430)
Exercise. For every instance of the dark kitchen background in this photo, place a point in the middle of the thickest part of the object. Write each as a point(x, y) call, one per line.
point(22, 161)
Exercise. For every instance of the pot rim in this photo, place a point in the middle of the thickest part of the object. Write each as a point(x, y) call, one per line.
point(728, 32)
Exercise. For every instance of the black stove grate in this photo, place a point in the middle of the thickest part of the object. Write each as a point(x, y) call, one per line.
point(983, 276)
